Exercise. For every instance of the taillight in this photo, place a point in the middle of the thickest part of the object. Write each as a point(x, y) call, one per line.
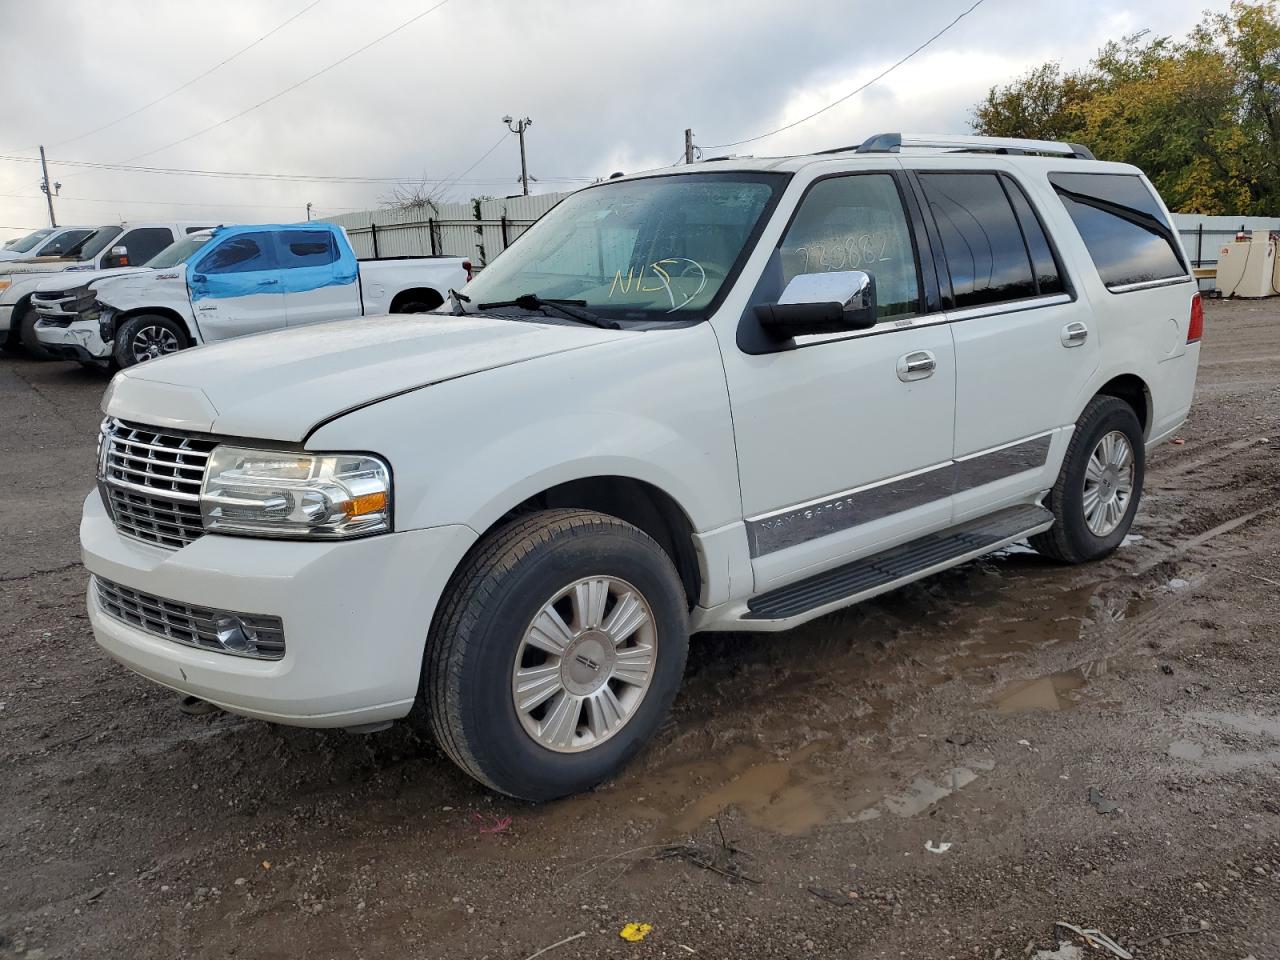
point(1195, 329)
point(466, 265)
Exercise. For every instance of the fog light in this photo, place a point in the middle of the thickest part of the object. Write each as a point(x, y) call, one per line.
point(232, 634)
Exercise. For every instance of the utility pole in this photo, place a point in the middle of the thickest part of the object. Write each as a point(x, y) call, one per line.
point(520, 127)
point(45, 187)
point(308, 210)
point(688, 146)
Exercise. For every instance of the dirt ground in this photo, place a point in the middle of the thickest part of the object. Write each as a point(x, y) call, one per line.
point(1097, 745)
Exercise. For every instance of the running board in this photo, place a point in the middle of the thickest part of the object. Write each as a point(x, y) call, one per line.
point(911, 561)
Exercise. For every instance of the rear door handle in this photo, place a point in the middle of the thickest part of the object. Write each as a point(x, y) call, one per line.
point(916, 365)
point(267, 283)
point(1074, 334)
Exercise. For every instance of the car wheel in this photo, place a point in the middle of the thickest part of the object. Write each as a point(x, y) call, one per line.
point(555, 653)
point(24, 320)
point(146, 337)
point(1099, 487)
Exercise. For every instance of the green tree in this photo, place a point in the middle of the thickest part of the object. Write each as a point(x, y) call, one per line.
point(1200, 116)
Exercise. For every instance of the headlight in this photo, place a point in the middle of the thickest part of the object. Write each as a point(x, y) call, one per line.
point(271, 493)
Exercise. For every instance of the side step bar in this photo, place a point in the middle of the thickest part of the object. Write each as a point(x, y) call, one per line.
point(911, 561)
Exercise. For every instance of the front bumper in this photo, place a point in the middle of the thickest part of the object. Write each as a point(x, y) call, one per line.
point(6, 317)
point(81, 340)
point(356, 616)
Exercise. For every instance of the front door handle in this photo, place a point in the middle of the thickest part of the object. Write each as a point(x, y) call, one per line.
point(267, 283)
point(1074, 334)
point(916, 365)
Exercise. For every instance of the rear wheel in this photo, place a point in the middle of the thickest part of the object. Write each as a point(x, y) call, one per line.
point(1099, 486)
point(146, 337)
point(555, 654)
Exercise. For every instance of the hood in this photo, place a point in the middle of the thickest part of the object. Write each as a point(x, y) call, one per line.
point(279, 386)
point(80, 278)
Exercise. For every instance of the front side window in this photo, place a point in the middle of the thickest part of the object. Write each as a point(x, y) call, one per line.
point(243, 254)
point(981, 241)
point(306, 248)
point(662, 248)
point(1122, 226)
point(856, 223)
point(145, 242)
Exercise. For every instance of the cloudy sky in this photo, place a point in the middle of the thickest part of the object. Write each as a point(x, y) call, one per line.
point(609, 86)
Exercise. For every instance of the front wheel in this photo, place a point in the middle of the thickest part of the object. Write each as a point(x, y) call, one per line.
point(146, 337)
point(24, 319)
point(555, 653)
point(1099, 486)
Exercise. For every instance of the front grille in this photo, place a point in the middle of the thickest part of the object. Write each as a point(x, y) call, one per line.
point(150, 481)
point(62, 307)
point(238, 634)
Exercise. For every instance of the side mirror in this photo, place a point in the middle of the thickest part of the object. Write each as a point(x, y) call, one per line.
point(118, 257)
point(821, 303)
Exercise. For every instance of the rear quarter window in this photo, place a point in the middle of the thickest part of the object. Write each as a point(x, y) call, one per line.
point(1122, 226)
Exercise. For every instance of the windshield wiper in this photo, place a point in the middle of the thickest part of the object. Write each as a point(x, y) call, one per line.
point(456, 301)
point(569, 309)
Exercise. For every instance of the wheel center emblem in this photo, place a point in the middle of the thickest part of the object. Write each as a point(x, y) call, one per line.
point(587, 663)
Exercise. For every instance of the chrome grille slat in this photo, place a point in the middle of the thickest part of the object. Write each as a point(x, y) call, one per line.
point(151, 482)
point(192, 626)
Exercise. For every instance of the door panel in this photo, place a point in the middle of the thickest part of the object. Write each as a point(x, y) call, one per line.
point(844, 440)
point(319, 283)
point(1024, 349)
point(236, 287)
point(838, 456)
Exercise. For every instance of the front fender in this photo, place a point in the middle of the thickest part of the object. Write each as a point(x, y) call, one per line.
point(652, 407)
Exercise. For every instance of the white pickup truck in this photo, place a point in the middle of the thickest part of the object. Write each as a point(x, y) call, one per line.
point(46, 242)
point(230, 282)
point(110, 246)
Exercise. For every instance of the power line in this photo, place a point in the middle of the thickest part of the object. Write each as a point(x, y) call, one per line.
point(213, 69)
point(250, 175)
point(292, 87)
point(875, 79)
point(458, 179)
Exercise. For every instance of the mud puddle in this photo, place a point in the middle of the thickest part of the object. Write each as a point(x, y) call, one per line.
point(840, 774)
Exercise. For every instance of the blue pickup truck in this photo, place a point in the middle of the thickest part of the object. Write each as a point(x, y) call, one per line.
point(230, 282)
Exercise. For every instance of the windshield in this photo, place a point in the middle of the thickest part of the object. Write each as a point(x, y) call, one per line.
point(663, 248)
point(95, 243)
point(179, 251)
point(29, 241)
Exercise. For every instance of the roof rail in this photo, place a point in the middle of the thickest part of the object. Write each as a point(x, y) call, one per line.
point(894, 142)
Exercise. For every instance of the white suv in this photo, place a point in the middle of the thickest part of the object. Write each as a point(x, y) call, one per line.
point(735, 395)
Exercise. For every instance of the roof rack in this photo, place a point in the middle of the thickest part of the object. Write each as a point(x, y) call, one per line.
point(895, 142)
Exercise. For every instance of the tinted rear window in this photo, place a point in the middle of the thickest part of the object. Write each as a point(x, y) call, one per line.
point(306, 248)
point(981, 239)
point(1043, 262)
point(1122, 226)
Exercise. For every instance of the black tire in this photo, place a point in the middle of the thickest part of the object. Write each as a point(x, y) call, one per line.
point(1070, 540)
point(477, 632)
point(127, 348)
point(24, 321)
point(414, 306)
